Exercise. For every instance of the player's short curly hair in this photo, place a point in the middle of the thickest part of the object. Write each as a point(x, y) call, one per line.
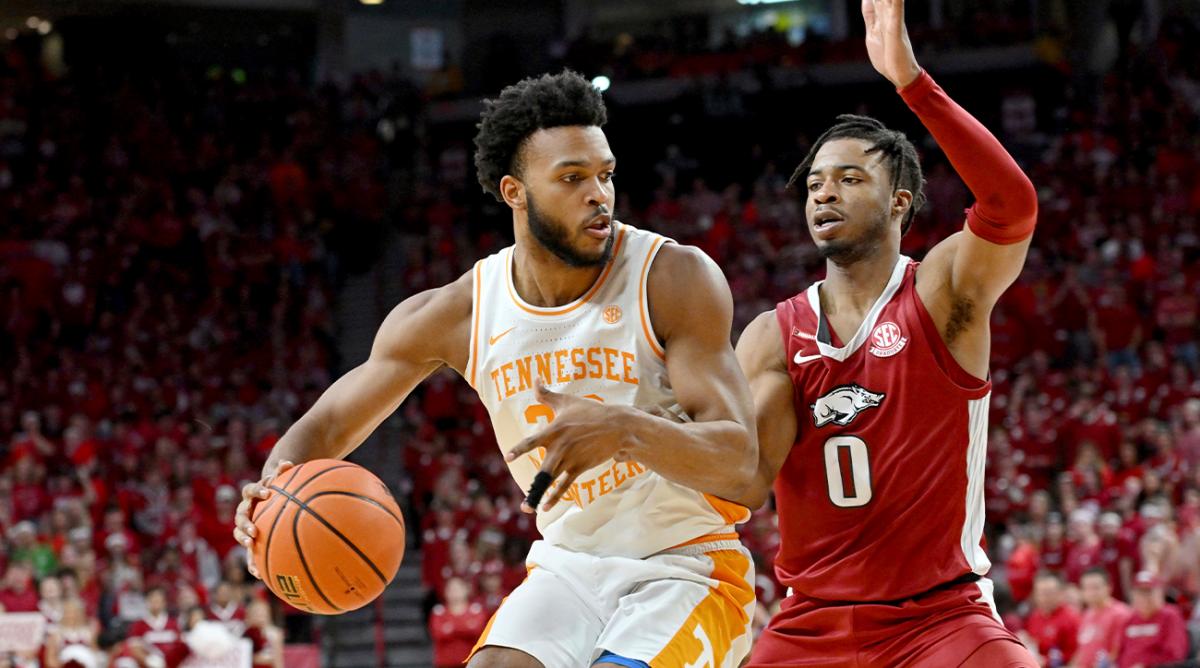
point(898, 153)
point(548, 101)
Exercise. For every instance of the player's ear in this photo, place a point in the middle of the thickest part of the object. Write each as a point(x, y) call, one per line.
point(901, 201)
point(513, 192)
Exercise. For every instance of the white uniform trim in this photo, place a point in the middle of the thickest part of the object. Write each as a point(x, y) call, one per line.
point(868, 323)
point(972, 530)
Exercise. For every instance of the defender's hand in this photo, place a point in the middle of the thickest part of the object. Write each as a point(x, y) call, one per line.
point(243, 529)
point(583, 434)
point(888, 46)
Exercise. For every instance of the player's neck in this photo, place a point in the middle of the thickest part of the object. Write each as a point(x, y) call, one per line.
point(542, 279)
point(857, 286)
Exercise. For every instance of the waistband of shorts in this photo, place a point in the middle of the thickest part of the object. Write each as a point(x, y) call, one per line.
point(723, 539)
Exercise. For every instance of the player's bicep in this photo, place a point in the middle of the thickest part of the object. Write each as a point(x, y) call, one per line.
point(692, 310)
point(402, 355)
point(975, 269)
point(761, 355)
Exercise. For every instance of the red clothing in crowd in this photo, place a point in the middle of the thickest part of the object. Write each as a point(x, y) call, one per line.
point(1161, 638)
point(1058, 630)
point(455, 634)
point(1022, 567)
point(1081, 557)
point(163, 634)
point(25, 600)
point(1099, 630)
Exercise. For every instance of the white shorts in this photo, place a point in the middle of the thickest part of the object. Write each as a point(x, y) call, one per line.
point(688, 607)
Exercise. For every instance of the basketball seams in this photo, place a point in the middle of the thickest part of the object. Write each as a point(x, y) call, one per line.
point(304, 562)
point(288, 497)
point(304, 506)
point(357, 496)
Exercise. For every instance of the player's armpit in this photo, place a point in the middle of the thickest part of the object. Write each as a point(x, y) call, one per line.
point(761, 353)
point(691, 312)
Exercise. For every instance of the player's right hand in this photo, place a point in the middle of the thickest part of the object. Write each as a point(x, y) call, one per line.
point(243, 529)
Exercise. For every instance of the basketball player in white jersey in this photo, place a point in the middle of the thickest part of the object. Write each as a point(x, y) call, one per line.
point(572, 337)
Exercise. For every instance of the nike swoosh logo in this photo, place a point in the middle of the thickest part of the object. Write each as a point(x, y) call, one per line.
point(493, 339)
point(804, 359)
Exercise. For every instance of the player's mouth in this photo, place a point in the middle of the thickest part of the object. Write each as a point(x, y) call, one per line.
point(826, 220)
point(600, 227)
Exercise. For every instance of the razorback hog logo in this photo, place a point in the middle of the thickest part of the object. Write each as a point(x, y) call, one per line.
point(843, 403)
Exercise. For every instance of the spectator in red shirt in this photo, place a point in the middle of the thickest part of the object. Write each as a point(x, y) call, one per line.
point(1053, 625)
point(157, 634)
point(266, 639)
point(1117, 553)
point(226, 609)
point(215, 529)
point(18, 594)
point(1054, 544)
point(1085, 546)
point(1022, 564)
point(1117, 327)
point(1155, 633)
point(1102, 621)
point(456, 625)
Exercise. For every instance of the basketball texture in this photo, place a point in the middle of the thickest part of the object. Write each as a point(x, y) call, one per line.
point(330, 536)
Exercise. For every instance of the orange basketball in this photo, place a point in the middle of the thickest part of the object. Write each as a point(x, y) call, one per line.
point(330, 536)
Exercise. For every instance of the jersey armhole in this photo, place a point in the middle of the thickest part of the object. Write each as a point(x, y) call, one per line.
point(644, 299)
point(964, 380)
point(476, 309)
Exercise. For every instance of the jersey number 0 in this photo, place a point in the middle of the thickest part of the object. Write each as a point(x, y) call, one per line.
point(849, 483)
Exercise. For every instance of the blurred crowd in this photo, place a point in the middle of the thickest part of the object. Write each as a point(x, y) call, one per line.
point(166, 270)
point(169, 249)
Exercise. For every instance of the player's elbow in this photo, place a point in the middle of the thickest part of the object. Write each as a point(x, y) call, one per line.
point(1012, 209)
point(756, 495)
point(752, 491)
point(1025, 200)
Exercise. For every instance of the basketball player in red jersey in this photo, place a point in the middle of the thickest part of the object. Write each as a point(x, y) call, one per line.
point(871, 390)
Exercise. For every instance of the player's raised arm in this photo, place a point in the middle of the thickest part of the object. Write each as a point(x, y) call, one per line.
point(404, 353)
point(761, 353)
point(975, 266)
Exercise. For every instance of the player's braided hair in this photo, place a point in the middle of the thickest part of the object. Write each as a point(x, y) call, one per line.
point(899, 154)
point(532, 104)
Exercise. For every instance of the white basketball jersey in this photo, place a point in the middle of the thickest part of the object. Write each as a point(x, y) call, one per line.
point(601, 346)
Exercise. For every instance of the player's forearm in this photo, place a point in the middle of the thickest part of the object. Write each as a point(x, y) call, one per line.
point(718, 457)
point(1005, 207)
point(302, 442)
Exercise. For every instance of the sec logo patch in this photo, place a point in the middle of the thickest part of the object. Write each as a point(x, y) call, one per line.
point(887, 340)
point(612, 314)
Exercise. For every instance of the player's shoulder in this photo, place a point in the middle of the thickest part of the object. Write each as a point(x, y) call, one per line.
point(433, 324)
point(760, 345)
point(445, 304)
point(682, 269)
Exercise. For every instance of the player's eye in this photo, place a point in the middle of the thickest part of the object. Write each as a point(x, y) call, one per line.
point(607, 176)
point(814, 186)
point(851, 179)
point(571, 178)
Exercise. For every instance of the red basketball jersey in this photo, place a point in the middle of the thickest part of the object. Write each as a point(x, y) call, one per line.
point(881, 496)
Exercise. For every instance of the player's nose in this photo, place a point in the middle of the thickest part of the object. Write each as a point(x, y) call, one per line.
point(826, 194)
point(598, 194)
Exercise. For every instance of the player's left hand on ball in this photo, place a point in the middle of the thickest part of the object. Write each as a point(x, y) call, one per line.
point(583, 435)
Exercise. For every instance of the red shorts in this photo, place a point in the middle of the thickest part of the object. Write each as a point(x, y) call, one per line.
point(944, 628)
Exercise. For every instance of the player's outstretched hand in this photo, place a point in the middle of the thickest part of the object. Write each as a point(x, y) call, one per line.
point(243, 529)
point(583, 434)
point(887, 41)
